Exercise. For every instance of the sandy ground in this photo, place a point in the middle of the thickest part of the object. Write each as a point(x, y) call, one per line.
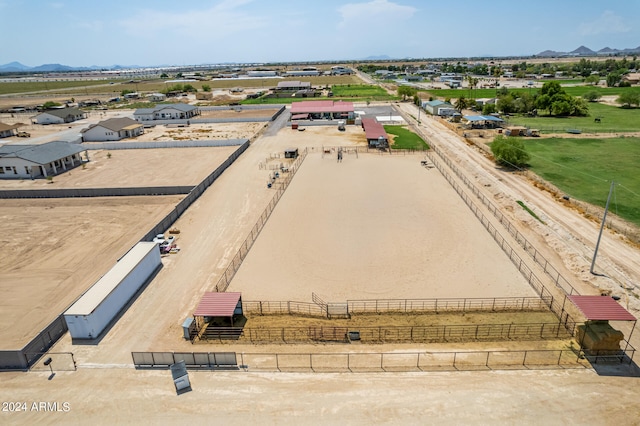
point(54, 249)
point(374, 227)
point(212, 131)
point(557, 397)
point(135, 167)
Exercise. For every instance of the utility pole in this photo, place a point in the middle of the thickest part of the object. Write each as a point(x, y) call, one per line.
point(604, 219)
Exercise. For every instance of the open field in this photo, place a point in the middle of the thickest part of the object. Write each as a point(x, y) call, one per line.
point(135, 167)
point(612, 120)
point(49, 86)
point(93, 87)
point(583, 168)
point(361, 91)
point(54, 249)
point(405, 234)
point(403, 138)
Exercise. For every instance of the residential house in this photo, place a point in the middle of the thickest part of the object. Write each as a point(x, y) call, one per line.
point(59, 116)
point(156, 97)
point(32, 161)
point(113, 129)
point(167, 112)
point(8, 130)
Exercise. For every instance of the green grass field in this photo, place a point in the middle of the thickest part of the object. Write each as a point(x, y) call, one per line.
point(584, 168)
point(405, 138)
point(612, 119)
point(361, 91)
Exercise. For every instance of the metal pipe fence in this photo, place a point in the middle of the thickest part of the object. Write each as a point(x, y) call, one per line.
point(280, 187)
point(450, 304)
point(191, 359)
point(389, 334)
point(319, 308)
point(411, 361)
point(552, 272)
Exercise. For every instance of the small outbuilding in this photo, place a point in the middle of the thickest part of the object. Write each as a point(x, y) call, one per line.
point(291, 153)
point(596, 336)
point(374, 132)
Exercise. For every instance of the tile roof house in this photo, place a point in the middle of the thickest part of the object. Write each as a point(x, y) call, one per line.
point(113, 129)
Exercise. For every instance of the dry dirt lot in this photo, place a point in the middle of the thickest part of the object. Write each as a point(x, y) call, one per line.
point(374, 227)
point(135, 167)
point(54, 249)
point(213, 131)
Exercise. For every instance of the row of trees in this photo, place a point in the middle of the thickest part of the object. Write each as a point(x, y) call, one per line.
point(552, 98)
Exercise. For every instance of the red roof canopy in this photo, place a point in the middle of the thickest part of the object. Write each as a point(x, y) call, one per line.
point(215, 304)
point(373, 129)
point(602, 308)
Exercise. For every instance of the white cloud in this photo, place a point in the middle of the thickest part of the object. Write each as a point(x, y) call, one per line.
point(375, 12)
point(607, 23)
point(56, 5)
point(220, 20)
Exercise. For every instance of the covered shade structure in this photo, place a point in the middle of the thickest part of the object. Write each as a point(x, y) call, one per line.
point(596, 336)
point(219, 305)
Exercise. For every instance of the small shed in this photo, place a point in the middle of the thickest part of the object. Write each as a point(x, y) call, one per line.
point(596, 336)
point(291, 153)
point(219, 307)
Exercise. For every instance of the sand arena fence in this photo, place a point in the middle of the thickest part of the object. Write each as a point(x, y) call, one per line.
point(553, 273)
point(319, 307)
point(280, 186)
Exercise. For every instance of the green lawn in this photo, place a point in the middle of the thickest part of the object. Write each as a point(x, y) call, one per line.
point(361, 91)
point(405, 138)
point(612, 119)
point(584, 168)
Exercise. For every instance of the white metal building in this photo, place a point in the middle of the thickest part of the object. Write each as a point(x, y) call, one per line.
point(97, 307)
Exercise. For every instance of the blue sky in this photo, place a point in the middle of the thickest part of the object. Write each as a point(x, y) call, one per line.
point(156, 32)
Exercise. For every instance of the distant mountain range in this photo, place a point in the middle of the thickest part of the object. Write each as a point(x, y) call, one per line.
point(18, 67)
point(585, 51)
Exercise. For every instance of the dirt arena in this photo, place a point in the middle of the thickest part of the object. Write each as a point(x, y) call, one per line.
point(135, 167)
point(54, 249)
point(374, 227)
